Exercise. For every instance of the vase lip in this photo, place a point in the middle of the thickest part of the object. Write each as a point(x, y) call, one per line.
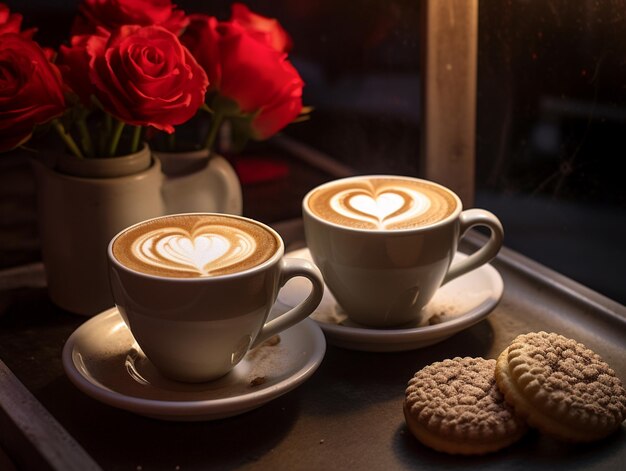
point(105, 167)
point(183, 163)
point(203, 152)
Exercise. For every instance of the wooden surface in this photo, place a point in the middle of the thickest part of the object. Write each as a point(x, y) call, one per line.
point(348, 415)
point(6, 463)
point(36, 438)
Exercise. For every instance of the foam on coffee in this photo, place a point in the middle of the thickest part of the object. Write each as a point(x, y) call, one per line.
point(189, 246)
point(385, 203)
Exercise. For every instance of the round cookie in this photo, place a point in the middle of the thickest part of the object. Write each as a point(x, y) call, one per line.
point(561, 387)
point(454, 406)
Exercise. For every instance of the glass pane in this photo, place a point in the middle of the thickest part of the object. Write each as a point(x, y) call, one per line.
point(550, 133)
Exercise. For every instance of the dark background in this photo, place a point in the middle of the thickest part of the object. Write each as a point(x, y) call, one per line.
point(551, 110)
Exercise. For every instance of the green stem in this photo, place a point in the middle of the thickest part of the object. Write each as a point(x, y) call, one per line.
point(108, 124)
point(134, 143)
point(69, 141)
point(85, 137)
point(218, 117)
point(115, 138)
point(171, 142)
point(105, 134)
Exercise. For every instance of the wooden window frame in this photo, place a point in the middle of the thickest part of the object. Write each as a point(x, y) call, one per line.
point(448, 63)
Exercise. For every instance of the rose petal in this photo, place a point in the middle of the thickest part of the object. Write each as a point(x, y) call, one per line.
point(267, 30)
point(114, 14)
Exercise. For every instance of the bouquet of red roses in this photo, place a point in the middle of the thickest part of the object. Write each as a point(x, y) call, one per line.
point(133, 68)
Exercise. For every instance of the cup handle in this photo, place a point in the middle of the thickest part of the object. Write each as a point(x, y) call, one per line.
point(477, 217)
point(292, 267)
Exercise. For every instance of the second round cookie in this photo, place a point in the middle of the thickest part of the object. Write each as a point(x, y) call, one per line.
point(454, 406)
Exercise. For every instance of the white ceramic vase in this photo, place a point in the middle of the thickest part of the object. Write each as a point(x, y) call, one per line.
point(198, 182)
point(83, 203)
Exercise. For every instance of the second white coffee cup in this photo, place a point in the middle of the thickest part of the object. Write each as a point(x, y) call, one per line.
point(384, 244)
point(195, 294)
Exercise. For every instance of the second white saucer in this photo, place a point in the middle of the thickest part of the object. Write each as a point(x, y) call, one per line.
point(456, 306)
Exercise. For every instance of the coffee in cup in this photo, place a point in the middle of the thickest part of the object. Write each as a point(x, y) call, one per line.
point(196, 290)
point(384, 244)
point(381, 203)
point(194, 246)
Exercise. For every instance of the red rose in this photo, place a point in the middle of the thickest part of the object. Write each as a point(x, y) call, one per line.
point(251, 73)
point(12, 22)
point(144, 76)
point(31, 89)
point(73, 62)
point(265, 29)
point(112, 14)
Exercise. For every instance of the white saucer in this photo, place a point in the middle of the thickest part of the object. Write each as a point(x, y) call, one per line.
point(103, 360)
point(457, 305)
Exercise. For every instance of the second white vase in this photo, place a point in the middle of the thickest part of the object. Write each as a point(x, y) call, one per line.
point(194, 181)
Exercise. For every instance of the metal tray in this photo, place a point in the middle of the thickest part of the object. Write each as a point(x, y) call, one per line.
point(347, 416)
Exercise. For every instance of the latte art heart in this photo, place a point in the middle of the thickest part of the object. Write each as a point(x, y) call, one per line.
point(200, 252)
point(381, 210)
point(380, 207)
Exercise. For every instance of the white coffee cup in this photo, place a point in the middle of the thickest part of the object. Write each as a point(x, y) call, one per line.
point(196, 328)
point(384, 244)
